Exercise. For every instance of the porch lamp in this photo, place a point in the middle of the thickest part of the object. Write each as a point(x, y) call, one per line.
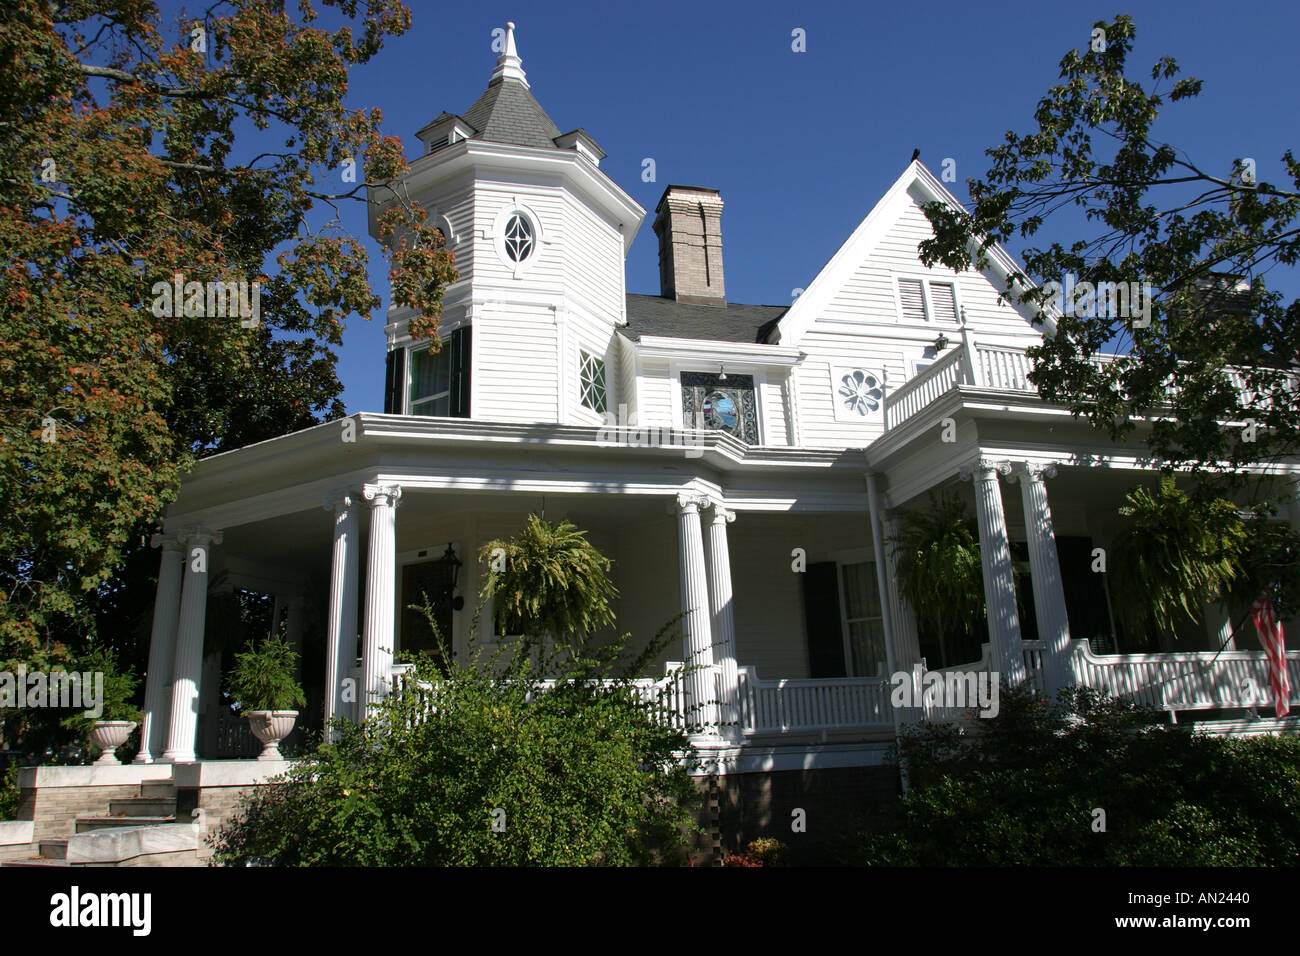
point(453, 571)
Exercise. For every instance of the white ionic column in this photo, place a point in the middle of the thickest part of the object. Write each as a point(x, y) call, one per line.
point(341, 639)
point(999, 582)
point(723, 619)
point(162, 650)
point(187, 669)
point(698, 640)
point(381, 584)
point(1045, 572)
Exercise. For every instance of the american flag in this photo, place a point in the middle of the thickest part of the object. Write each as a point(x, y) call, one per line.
point(1271, 639)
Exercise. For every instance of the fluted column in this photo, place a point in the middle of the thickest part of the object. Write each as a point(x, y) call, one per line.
point(698, 639)
point(381, 584)
point(723, 621)
point(187, 669)
point(162, 650)
point(999, 583)
point(1045, 572)
point(341, 639)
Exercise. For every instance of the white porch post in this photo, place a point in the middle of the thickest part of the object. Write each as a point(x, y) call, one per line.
point(162, 650)
point(723, 618)
point(698, 644)
point(187, 670)
point(381, 583)
point(1045, 572)
point(341, 640)
point(882, 575)
point(907, 646)
point(999, 583)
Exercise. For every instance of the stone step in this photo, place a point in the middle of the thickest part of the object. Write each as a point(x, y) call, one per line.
point(54, 849)
point(162, 789)
point(143, 807)
point(88, 824)
point(36, 861)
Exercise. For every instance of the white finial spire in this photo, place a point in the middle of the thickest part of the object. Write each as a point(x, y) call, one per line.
point(509, 66)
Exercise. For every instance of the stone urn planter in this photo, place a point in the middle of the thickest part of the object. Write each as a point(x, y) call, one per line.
point(271, 727)
point(108, 735)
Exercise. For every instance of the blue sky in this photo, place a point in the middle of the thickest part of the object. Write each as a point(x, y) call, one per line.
point(801, 145)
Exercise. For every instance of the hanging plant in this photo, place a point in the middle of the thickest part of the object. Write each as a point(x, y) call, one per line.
point(940, 573)
point(1177, 554)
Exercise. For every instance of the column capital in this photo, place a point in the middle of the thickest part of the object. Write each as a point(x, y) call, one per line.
point(168, 542)
point(338, 501)
point(985, 468)
point(1032, 471)
point(200, 537)
point(387, 493)
point(719, 513)
point(691, 503)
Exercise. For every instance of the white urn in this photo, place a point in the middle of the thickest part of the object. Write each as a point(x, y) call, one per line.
point(108, 735)
point(271, 727)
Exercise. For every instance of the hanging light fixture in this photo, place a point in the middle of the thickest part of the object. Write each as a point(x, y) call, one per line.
point(722, 373)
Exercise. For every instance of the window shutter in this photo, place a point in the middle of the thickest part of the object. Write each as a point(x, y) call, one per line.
point(460, 372)
point(943, 302)
point(909, 296)
point(821, 608)
point(395, 382)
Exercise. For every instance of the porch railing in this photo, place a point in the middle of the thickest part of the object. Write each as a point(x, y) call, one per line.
point(793, 706)
point(1187, 680)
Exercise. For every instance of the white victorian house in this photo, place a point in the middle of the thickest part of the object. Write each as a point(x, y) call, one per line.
point(743, 463)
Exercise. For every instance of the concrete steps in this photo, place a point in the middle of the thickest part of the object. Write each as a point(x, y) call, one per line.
point(136, 831)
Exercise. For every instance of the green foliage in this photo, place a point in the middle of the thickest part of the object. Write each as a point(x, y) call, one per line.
point(1093, 165)
point(552, 580)
point(1177, 554)
point(9, 793)
point(581, 770)
point(939, 567)
point(1020, 789)
point(263, 677)
point(119, 690)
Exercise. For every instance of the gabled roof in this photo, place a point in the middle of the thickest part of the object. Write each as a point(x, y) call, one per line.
point(832, 277)
point(508, 113)
point(660, 316)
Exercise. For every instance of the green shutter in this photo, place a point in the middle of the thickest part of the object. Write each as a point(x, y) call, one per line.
point(460, 371)
point(395, 382)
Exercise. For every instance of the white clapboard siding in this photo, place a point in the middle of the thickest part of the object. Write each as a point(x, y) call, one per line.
point(515, 365)
point(546, 274)
point(655, 402)
point(775, 428)
point(626, 391)
point(593, 261)
point(768, 595)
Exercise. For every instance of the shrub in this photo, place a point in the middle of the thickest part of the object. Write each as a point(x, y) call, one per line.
point(119, 691)
point(263, 677)
point(1022, 788)
point(483, 767)
point(9, 793)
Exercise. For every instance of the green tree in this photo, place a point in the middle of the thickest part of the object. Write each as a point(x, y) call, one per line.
point(133, 151)
point(1145, 212)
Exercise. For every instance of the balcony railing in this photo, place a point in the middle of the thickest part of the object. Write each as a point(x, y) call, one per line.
point(1000, 367)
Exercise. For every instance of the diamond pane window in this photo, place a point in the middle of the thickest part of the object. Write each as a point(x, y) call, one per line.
point(519, 238)
point(591, 382)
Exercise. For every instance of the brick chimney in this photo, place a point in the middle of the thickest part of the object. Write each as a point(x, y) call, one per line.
point(688, 221)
